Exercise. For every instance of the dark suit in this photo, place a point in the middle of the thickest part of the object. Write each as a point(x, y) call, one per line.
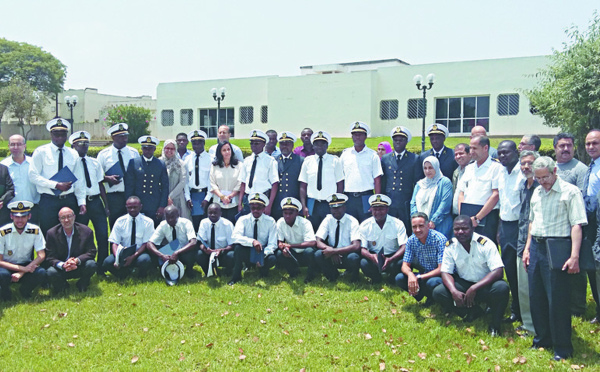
point(447, 162)
point(57, 250)
point(7, 192)
point(288, 182)
point(398, 181)
point(148, 181)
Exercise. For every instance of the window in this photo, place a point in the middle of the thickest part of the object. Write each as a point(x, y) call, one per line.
point(208, 120)
point(508, 104)
point(167, 118)
point(264, 114)
point(388, 110)
point(186, 117)
point(246, 114)
point(460, 114)
point(416, 108)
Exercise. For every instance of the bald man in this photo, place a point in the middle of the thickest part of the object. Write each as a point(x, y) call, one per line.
point(478, 131)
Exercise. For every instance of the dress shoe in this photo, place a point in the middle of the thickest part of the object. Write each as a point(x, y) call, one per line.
point(474, 314)
point(558, 358)
point(595, 320)
point(232, 282)
point(494, 332)
point(512, 318)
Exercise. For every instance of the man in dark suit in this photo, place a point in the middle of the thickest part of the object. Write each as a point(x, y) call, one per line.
point(288, 166)
point(400, 173)
point(437, 135)
point(148, 180)
point(70, 252)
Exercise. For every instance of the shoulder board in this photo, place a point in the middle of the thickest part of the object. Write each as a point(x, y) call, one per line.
point(496, 160)
point(32, 231)
point(448, 242)
point(481, 240)
point(6, 231)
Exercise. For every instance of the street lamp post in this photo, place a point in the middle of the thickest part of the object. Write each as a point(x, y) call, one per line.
point(218, 99)
point(71, 102)
point(418, 79)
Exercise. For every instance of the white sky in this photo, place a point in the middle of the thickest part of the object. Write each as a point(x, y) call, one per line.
point(127, 47)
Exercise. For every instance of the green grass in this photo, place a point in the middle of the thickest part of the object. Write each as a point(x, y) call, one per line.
point(276, 324)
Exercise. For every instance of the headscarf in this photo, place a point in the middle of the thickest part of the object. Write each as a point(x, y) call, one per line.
point(386, 145)
point(428, 187)
point(173, 164)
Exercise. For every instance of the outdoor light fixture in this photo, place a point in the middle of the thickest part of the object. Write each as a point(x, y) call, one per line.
point(218, 99)
point(418, 79)
point(71, 102)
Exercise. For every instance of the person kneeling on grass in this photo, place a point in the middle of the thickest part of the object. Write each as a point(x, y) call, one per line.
point(255, 231)
point(296, 240)
point(424, 252)
point(215, 235)
point(472, 271)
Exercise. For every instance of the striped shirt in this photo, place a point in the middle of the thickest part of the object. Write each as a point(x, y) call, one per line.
point(554, 212)
point(428, 255)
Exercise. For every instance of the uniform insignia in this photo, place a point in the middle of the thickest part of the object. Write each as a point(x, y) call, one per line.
point(481, 240)
point(284, 135)
point(448, 243)
point(378, 198)
point(357, 125)
point(32, 231)
point(374, 243)
point(195, 133)
point(10, 253)
point(82, 135)
point(289, 201)
point(148, 140)
point(434, 127)
point(20, 205)
point(334, 198)
point(121, 127)
point(254, 134)
point(6, 231)
point(256, 197)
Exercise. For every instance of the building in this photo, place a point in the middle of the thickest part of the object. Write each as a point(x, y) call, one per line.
point(380, 93)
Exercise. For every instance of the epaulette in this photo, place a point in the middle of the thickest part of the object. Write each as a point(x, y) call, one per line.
point(481, 240)
point(448, 242)
point(6, 231)
point(496, 160)
point(32, 231)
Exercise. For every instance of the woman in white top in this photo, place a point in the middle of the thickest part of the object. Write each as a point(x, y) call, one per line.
point(177, 178)
point(224, 183)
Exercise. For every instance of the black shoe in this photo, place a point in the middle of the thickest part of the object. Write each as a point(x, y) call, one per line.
point(429, 302)
point(474, 314)
point(558, 358)
point(232, 282)
point(494, 332)
point(595, 320)
point(513, 318)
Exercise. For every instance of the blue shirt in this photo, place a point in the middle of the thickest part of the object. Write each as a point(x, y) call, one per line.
point(428, 255)
point(24, 189)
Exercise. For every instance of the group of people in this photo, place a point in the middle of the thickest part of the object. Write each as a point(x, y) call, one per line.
point(429, 223)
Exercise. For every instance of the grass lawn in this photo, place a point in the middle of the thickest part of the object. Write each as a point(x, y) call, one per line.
point(267, 324)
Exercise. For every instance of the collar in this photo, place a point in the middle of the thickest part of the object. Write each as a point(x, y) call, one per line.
point(485, 164)
point(72, 232)
point(401, 154)
point(433, 152)
point(146, 159)
point(10, 161)
point(55, 148)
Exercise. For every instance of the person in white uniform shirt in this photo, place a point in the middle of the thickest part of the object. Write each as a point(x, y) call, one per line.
point(198, 168)
point(296, 241)
point(215, 236)
point(18, 241)
point(132, 229)
point(338, 241)
point(49, 159)
point(118, 153)
point(383, 241)
point(255, 231)
point(362, 172)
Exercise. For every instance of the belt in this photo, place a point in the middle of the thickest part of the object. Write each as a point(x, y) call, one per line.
point(60, 197)
point(359, 194)
point(193, 191)
point(92, 197)
point(541, 239)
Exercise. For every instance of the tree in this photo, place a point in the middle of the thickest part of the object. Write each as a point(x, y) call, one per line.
point(24, 102)
point(137, 118)
point(568, 94)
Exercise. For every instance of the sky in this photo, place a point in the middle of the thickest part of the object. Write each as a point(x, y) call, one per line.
point(128, 47)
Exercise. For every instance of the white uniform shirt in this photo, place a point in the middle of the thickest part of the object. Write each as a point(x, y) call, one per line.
point(477, 183)
point(44, 165)
point(184, 229)
point(24, 189)
point(121, 231)
point(182, 158)
point(348, 230)
point(390, 238)
point(110, 156)
point(236, 150)
point(360, 169)
point(510, 196)
point(331, 175)
point(267, 232)
point(265, 174)
point(474, 265)
point(96, 175)
point(223, 233)
point(18, 248)
point(203, 177)
point(302, 231)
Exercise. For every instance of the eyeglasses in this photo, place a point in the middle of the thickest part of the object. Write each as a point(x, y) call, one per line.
point(544, 178)
point(16, 145)
point(66, 218)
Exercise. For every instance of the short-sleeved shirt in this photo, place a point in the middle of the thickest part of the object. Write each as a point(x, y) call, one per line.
point(184, 230)
point(332, 173)
point(110, 156)
point(360, 169)
point(477, 183)
point(18, 248)
point(302, 231)
point(428, 255)
point(474, 265)
point(223, 233)
point(554, 212)
point(265, 173)
point(573, 172)
point(389, 238)
point(121, 231)
point(348, 230)
point(267, 232)
point(509, 196)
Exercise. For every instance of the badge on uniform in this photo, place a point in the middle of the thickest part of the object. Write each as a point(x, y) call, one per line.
point(374, 243)
point(10, 253)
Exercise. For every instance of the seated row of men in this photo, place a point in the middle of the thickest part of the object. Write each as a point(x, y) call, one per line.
point(379, 246)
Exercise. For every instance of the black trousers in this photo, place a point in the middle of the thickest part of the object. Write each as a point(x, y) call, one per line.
point(305, 258)
point(116, 206)
point(491, 225)
point(50, 205)
point(58, 278)
point(97, 214)
point(241, 255)
point(350, 262)
point(28, 282)
point(226, 260)
point(371, 270)
point(355, 207)
point(320, 211)
point(509, 234)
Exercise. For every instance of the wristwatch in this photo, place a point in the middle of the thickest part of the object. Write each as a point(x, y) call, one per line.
point(418, 276)
point(477, 220)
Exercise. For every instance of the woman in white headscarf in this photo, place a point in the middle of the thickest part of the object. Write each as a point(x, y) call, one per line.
point(177, 178)
point(433, 196)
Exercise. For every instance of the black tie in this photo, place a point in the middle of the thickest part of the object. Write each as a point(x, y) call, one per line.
point(60, 159)
point(174, 233)
point(337, 234)
point(320, 174)
point(132, 231)
point(437, 155)
point(212, 237)
point(284, 160)
point(399, 157)
point(197, 170)
point(255, 236)
point(121, 162)
point(252, 171)
point(88, 181)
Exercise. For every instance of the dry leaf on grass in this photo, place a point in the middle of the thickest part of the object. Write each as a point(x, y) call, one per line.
point(242, 357)
point(368, 336)
point(135, 359)
point(382, 366)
